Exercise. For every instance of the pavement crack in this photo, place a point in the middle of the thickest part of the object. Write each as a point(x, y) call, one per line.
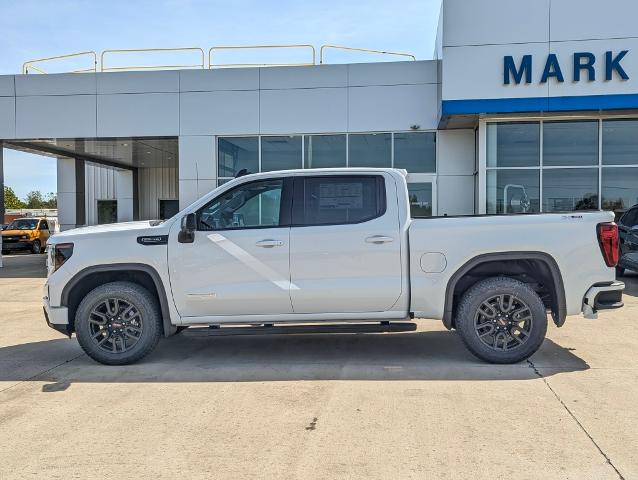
point(32, 377)
point(580, 425)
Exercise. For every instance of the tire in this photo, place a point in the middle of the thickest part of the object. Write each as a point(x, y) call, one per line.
point(114, 340)
point(620, 272)
point(36, 247)
point(494, 335)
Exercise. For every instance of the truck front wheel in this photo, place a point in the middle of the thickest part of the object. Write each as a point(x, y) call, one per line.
point(502, 320)
point(118, 323)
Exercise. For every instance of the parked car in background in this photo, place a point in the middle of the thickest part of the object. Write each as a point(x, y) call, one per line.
point(628, 241)
point(26, 234)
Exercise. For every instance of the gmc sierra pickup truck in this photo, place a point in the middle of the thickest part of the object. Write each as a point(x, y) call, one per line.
point(332, 250)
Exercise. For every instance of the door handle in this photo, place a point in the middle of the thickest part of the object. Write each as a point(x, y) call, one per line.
point(270, 243)
point(379, 239)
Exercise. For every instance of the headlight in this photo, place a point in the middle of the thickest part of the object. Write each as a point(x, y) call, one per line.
point(24, 237)
point(61, 253)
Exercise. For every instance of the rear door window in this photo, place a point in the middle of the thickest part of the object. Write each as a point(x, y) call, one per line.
point(338, 200)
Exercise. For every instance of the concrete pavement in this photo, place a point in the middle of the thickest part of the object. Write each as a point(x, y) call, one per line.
point(374, 406)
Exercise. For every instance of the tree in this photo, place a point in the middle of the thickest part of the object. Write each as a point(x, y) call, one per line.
point(34, 199)
point(11, 200)
point(51, 200)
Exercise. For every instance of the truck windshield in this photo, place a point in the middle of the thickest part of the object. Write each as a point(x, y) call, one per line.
point(23, 224)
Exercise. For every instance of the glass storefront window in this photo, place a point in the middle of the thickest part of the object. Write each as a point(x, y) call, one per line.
point(570, 189)
point(370, 150)
point(513, 144)
point(324, 151)
point(619, 188)
point(569, 144)
point(420, 195)
point(236, 154)
point(280, 153)
point(106, 211)
point(620, 142)
point(415, 151)
point(513, 191)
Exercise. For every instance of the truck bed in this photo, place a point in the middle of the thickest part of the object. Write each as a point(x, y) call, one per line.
point(439, 246)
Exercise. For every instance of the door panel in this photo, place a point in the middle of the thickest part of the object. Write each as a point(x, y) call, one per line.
point(238, 263)
point(345, 267)
point(229, 273)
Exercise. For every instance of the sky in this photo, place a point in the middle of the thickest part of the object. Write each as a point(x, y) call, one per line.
point(40, 28)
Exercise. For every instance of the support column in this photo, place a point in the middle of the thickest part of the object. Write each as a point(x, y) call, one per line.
point(483, 140)
point(2, 207)
point(197, 170)
point(136, 195)
point(125, 195)
point(1, 193)
point(71, 193)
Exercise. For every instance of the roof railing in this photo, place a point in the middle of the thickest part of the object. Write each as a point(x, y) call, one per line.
point(104, 68)
point(36, 65)
point(29, 64)
point(366, 50)
point(252, 47)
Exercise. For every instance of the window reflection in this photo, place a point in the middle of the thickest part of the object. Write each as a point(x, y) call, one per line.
point(513, 191)
point(513, 144)
point(415, 152)
point(619, 188)
point(280, 153)
point(568, 190)
point(236, 154)
point(325, 151)
point(370, 150)
point(570, 143)
point(620, 142)
point(420, 195)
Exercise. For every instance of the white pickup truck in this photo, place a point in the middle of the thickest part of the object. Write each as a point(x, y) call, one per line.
point(332, 250)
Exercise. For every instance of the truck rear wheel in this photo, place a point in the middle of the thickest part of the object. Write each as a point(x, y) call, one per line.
point(118, 323)
point(502, 320)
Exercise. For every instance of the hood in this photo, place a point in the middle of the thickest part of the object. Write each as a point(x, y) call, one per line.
point(114, 229)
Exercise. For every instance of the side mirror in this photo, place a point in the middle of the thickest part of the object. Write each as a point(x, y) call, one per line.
point(187, 232)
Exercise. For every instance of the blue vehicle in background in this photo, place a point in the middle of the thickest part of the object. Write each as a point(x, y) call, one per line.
point(628, 241)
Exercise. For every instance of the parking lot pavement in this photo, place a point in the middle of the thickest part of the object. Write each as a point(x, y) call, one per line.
point(408, 405)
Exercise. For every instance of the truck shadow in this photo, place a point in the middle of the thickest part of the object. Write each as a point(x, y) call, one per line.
point(429, 355)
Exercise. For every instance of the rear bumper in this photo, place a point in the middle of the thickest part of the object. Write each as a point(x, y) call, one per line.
point(602, 296)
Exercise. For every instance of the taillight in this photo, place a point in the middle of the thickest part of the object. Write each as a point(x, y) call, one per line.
point(61, 253)
point(608, 241)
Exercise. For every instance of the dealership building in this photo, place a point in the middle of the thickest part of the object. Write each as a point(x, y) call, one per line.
point(527, 106)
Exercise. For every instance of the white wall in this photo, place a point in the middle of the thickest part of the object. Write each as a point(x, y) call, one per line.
point(199, 105)
point(476, 35)
point(100, 184)
point(155, 184)
point(456, 168)
point(66, 193)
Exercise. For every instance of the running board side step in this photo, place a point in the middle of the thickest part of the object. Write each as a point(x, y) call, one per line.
point(218, 331)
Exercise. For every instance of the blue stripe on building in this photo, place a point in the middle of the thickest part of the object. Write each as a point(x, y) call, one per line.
point(540, 104)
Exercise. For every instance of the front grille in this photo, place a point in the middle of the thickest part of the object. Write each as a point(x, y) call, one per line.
point(9, 239)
